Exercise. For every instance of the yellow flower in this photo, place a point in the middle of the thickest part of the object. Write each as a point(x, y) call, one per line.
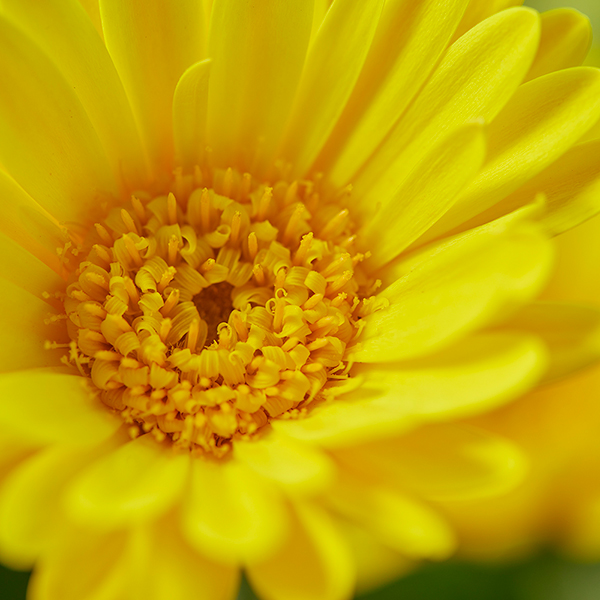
point(293, 251)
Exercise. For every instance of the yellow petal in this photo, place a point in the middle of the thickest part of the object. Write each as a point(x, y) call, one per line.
point(464, 284)
point(136, 482)
point(332, 67)
point(478, 10)
point(28, 224)
point(571, 333)
point(101, 571)
point(540, 122)
point(313, 565)
point(410, 38)
point(410, 208)
point(178, 572)
point(398, 521)
point(473, 376)
point(83, 60)
point(258, 51)
point(375, 563)
point(23, 269)
point(231, 514)
point(571, 186)
point(30, 509)
point(50, 148)
point(152, 43)
point(92, 8)
point(53, 408)
point(295, 466)
point(26, 328)
point(476, 77)
point(439, 461)
point(189, 114)
point(565, 42)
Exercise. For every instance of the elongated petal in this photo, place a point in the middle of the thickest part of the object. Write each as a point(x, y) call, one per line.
point(27, 328)
point(133, 483)
point(85, 63)
point(441, 461)
point(540, 122)
point(189, 114)
point(408, 42)
point(570, 186)
point(152, 43)
point(29, 273)
point(177, 571)
point(30, 503)
point(92, 8)
point(411, 208)
point(295, 466)
point(476, 77)
point(102, 572)
point(474, 376)
point(472, 281)
point(53, 408)
point(570, 331)
point(565, 42)
point(258, 51)
point(314, 564)
point(28, 224)
point(49, 147)
point(332, 67)
point(376, 564)
point(231, 514)
point(479, 10)
point(397, 520)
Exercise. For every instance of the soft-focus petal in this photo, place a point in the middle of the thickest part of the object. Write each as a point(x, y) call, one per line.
point(400, 522)
point(53, 408)
point(457, 289)
point(178, 572)
point(30, 509)
point(297, 467)
point(440, 461)
point(471, 377)
point(132, 483)
point(101, 571)
point(571, 333)
point(231, 514)
point(314, 564)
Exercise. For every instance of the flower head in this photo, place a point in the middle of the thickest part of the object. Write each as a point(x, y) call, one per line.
point(295, 244)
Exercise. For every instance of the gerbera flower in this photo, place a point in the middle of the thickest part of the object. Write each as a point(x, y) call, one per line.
point(290, 246)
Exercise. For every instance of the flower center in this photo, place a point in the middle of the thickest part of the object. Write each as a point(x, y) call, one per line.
point(203, 313)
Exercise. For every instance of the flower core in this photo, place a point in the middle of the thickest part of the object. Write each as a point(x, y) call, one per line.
point(202, 313)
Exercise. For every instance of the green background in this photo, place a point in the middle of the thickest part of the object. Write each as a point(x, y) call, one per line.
point(545, 577)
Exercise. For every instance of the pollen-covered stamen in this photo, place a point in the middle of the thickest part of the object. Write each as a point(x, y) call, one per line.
point(203, 313)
